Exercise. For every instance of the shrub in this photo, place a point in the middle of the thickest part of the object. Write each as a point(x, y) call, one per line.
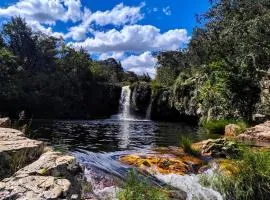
point(218, 126)
point(136, 188)
point(250, 182)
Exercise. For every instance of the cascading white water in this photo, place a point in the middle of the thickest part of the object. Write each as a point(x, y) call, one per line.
point(125, 103)
point(148, 111)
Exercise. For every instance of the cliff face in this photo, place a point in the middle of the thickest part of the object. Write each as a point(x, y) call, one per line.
point(96, 101)
point(140, 97)
point(263, 107)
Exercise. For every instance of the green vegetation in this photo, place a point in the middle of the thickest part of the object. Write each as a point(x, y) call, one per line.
point(49, 79)
point(186, 143)
point(251, 181)
point(136, 188)
point(218, 75)
point(218, 126)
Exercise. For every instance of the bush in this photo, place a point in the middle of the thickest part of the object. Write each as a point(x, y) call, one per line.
point(218, 126)
point(140, 189)
point(250, 182)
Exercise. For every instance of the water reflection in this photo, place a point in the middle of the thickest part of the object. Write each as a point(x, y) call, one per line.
point(114, 135)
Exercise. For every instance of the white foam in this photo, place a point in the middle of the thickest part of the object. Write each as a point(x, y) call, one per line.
point(190, 184)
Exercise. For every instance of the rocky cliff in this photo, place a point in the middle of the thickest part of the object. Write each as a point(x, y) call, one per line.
point(140, 96)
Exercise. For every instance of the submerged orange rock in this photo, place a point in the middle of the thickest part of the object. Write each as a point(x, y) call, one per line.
point(164, 164)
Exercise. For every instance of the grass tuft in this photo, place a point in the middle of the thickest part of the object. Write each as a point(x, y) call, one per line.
point(136, 188)
point(252, 181)
point(186, 144)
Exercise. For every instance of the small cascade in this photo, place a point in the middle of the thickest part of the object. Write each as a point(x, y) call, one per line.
point(124, 103)
point(148, 111)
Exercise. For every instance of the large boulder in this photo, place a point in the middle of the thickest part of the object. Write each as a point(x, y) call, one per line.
point(52, 176)
point(257, 134)
point(16, 151)
point(5, 122)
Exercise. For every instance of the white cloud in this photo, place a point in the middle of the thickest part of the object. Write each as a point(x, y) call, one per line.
point(45, 11)
point(36, 26)
point(167, 10)
point(119, 15)
point(136, 38)
point(115, 55)
point(155, 9)
point(143, 63)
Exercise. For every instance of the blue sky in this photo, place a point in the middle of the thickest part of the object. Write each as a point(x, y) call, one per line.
point(128, 30)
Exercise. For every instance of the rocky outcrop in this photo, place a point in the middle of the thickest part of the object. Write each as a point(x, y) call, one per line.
point(16, 151)
point(5, 122)
point(52, 176)
point(140, 96)
point(165, 108)
point(218, 148)
point(257, 134)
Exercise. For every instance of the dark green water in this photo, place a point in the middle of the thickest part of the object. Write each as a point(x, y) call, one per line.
point(114, 135)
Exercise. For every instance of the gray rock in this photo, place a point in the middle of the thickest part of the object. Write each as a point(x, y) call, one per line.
point(16, 151)
point(52, 176)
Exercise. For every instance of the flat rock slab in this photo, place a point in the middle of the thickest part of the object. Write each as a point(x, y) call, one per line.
point(52, 176)
point(258, 134)
point(16, 151)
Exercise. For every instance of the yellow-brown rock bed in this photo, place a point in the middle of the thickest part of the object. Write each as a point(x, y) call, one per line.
point(164, 164)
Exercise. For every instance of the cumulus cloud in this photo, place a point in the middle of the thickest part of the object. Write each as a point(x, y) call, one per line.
point(119, 15)
point(45, 11)
point(115, 55)
point(167, 10)
point(135, 38)
point(143, 63)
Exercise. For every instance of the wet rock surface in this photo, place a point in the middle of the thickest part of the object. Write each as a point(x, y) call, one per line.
point(52, 176)
point(163, 163)
point(257, 134)
point(16, 151)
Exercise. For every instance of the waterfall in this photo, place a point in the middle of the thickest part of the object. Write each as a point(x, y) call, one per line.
point(125, 103)
point(148, 111)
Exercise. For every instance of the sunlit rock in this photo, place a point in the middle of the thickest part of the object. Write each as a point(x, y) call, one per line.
point(257, 134)
point(52, 176)
point(16, 151)
point(164, 164)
